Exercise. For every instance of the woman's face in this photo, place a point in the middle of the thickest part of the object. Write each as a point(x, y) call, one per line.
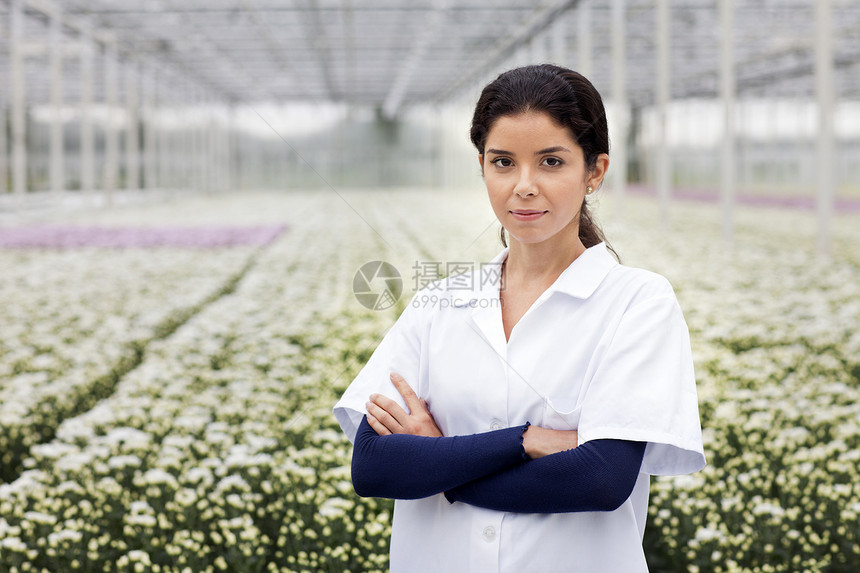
point(536, 177)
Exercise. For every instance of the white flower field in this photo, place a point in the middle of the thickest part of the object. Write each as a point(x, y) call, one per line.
point(169, 408)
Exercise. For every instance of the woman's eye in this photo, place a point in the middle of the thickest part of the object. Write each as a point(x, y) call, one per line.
point(552, 161)
point(502, 162)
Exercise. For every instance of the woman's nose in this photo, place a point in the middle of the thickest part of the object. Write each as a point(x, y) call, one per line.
point(526, 185)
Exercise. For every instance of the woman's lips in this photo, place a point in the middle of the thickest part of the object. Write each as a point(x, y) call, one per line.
point(527, 214)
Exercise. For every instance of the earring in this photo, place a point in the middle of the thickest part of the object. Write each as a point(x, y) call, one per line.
point(589, 190)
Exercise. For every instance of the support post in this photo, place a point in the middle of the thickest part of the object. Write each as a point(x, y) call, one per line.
point(198, 141)
point(189, 137)
point(57, 171)
point(209, 174)
point(4, 150)
point(216, 167)
point(201, 133)
point(727, 96)
point(619, 96)
point(826, 144)
point(19, 119)
point(230, 175)
point(165, 175)
point(583, 49)
point(111, 132)
point(664, 86)
point(87, 140)
point(132, 135)
point(537, 49)
point(559, 39)
point(188, 173)
point(150, 136)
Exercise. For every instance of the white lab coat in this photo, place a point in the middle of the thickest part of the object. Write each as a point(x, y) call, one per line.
point(605, 350)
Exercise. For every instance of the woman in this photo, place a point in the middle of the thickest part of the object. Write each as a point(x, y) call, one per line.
point(557, 386)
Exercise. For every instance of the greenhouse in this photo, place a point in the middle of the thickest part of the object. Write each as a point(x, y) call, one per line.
point(211, 214)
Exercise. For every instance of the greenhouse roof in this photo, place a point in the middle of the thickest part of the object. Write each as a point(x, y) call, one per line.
point(390, 53)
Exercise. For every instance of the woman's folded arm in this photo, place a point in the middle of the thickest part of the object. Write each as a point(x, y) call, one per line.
point(403, 466)
point(596, 476)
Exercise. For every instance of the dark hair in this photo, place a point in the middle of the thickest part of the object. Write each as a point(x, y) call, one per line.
point(569, 99)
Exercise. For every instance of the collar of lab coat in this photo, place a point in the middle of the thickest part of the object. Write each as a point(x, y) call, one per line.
point(579, 280)
point(585, 274)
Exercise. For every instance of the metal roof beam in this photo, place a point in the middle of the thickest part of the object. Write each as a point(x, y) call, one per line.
point(537, 22)
point(107, 38)
point(413, 61)
point(319, 41)
point(275, 49)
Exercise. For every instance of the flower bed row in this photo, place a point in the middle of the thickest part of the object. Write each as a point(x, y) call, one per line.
point(775, 337)
point(219, 451)
point(71, 237)
point(75, 321)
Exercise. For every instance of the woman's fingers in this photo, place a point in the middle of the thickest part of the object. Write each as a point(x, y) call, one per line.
point(378, 426)
point(390, 406)
point(405, 390)
point(384, 414)
point(388, 412)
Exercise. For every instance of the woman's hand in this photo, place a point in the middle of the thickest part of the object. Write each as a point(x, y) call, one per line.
point(387, 417)
point(539, 442)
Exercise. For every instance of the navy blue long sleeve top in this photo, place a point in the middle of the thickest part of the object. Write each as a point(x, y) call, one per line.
point(492, 470)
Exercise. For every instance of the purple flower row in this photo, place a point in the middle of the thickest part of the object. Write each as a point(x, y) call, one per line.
point(68, 237)
point(840, 204)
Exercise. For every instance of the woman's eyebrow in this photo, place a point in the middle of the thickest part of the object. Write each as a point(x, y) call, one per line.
point(554, 149)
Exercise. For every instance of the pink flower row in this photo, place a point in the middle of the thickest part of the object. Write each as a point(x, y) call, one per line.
point(69, 237)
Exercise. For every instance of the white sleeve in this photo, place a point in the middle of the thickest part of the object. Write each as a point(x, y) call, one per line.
point(400, 352)
point(644, 389)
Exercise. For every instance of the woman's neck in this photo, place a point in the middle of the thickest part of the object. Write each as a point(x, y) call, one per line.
point(541, 263)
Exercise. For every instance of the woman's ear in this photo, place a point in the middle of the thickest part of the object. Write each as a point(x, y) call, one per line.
point(595, 177)
point(481, 160)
